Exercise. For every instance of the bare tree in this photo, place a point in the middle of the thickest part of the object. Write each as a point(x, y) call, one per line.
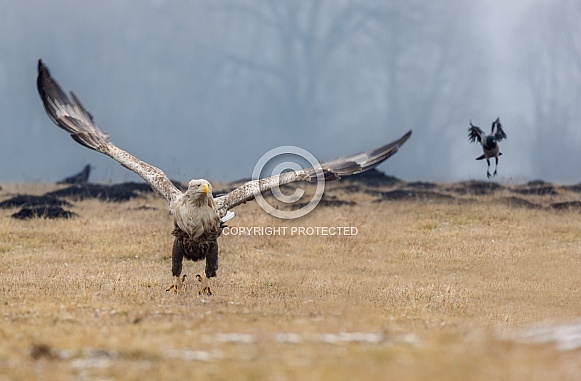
point(551, 61)
point(430, 72)
point(296, 46)
point(351, 64)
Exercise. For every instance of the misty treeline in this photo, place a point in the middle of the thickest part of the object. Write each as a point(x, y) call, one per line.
point(221, 82)
point(550, 57)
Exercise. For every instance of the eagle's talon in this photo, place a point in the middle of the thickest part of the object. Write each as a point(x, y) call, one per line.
point(177, 284)
point(204, 286)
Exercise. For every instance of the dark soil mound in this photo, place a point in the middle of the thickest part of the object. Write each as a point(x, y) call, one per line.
point(334, 202)
point(351, 188)
point(519, 202)
point(567, 205)
point(573, 188)
point(537, 183)
point(144, 207)
point(179, 185)
point(42, 212)
point(25, 200)
point(537, 190)
point(403, 194)
point(115, 192)
point(477, 188)
point(327, 201)
point(373, 178)
point(421, 185)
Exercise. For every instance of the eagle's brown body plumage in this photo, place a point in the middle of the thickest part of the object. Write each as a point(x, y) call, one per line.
point(203, 247)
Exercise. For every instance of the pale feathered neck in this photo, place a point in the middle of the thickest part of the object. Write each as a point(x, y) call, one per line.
point(195, 214)
point(199, 199)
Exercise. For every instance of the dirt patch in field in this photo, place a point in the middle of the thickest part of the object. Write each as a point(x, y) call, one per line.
point(112, 193)
point(42, 212)
point(421, 185)
point(411, 195)
point(373, 178)
point(567, 205)
point(519, 203)
point(475, 188)
point(328, 201)
point(37, 206)
point(26, 200)
point(537, 188)
point(573, 188)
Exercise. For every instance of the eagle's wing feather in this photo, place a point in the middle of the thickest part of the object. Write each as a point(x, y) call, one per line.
point(73, 118)
point(364, 161)
point(331, 169)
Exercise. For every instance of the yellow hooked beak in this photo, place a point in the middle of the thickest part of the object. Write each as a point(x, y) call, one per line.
point(204, 188)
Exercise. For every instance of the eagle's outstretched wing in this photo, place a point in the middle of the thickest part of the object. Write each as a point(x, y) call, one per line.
point(497, 130)
point(332, 170)
point(476, 133)
point(73, 118)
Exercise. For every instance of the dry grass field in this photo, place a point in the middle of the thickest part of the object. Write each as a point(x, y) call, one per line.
point(428, 289)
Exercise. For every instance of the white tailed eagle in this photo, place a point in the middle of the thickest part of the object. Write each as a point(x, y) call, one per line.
point(198, 216)
point(489, 142)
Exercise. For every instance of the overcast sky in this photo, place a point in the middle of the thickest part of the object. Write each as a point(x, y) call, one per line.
point(202, 89)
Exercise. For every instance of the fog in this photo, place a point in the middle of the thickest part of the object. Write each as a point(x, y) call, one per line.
point(205, 88)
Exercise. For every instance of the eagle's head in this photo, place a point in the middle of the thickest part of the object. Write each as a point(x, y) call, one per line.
point(199, 190)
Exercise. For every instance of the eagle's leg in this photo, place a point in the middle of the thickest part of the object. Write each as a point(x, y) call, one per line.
point(488, 168)
point(177, 256)
point(496, 166)
point(211, 268)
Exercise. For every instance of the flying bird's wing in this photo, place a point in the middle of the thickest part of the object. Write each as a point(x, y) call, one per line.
point(475, 133)
point(497, 130)
point(72, 117)
point(332, 170)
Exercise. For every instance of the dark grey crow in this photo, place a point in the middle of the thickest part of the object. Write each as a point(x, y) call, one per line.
point(489, 142)
point(79, 178)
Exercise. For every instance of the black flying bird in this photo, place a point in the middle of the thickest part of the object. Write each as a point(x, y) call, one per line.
point(489, 142)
